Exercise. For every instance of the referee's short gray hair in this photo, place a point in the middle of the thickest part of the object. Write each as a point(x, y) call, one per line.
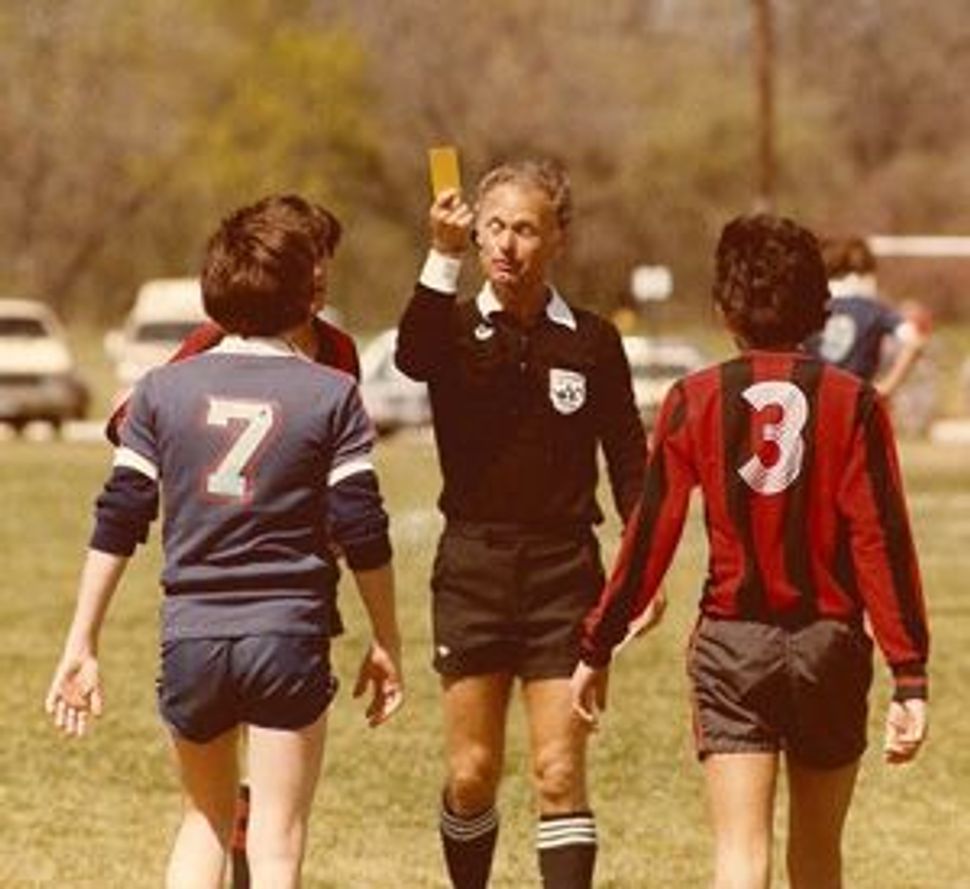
point(547, 175)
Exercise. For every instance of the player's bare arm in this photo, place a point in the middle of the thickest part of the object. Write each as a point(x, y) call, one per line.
point(75, 692)
point(380, 668)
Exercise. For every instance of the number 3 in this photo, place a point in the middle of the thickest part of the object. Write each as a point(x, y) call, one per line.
point(230, 478)
point(786, 434)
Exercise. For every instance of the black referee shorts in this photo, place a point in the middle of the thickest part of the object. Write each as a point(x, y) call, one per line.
point(208, 686)
point(511, 600)
point(760, 687)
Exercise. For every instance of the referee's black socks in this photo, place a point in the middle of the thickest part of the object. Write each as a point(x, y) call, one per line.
point(469, 844)
point(567, 850)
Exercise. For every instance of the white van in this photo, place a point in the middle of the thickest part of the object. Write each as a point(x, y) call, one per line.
point(165, 311)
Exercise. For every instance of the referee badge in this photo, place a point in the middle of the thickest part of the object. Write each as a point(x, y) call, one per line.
point(567, 390)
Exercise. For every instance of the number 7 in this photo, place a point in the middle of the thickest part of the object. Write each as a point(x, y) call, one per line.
point(232, 476)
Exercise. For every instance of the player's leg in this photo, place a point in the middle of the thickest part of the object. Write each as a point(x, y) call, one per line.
point(818, 803)
point(741, 793)
point(475, 709)
point(566, 840)
point(284, 767)
point(739, 695)
point(831, 666)
point(284, 686)
point(209, 776)
point(240, 827)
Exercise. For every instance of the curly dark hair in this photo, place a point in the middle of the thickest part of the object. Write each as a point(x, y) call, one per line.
point(770, 281)
point(258, 277)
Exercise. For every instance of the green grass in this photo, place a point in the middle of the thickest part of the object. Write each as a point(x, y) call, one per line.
point(101, 812)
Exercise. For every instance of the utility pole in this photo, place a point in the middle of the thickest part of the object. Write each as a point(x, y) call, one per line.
point(763, 52)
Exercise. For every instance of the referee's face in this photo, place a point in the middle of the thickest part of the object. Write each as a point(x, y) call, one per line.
point(518, 237)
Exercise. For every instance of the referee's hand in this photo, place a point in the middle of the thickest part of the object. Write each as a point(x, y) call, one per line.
point(588, 687)
point(451, 223)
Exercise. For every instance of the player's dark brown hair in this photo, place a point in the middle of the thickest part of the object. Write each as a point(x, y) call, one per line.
point(770, 281)
point(847, 256)
point(258, 274)
point(322, 225)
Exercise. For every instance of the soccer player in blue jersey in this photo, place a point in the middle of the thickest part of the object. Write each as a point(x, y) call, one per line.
point(261, 461)
point(860, 324)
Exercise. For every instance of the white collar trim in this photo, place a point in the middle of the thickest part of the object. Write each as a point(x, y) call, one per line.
point(853, 285)
point(255, 345)
point(557, 309)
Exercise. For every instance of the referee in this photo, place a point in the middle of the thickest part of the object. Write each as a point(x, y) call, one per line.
point(524, 387)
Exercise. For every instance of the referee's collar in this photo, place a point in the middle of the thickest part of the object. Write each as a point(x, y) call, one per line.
point(557, 309)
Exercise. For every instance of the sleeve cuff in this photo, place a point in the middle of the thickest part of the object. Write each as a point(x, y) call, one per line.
point(441, 272)
point(595, 659)
point(911, 681)
point(111, 538)
point(368, 555)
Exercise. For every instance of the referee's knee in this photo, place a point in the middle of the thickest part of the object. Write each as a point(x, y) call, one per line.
point(560, 781)
point(473, 779)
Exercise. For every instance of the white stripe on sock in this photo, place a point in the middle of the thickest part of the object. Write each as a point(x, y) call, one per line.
point(565, 831)
point(464, 830)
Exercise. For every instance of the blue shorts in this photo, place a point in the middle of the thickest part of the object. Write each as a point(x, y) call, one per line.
point(208, 686)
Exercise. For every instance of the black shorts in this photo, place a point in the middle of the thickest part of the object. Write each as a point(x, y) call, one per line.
point(511, 601)
point(208, 686)
point(759, 687)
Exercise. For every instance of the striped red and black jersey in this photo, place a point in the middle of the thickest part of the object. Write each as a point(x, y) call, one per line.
point(803, 507)
point(335, 349)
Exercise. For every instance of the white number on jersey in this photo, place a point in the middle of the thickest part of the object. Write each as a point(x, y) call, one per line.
point(230, 477)
point(786, 435)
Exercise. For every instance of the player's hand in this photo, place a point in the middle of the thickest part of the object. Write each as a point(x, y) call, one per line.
point(451, 223)
point(75, 694)
point(381, 670)
point(906, 724)
point(588, 687)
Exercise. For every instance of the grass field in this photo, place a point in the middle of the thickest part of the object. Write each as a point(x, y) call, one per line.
point(101, 812)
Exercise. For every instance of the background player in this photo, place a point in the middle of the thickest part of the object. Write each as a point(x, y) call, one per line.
point(317, 338)
point(860, 324)
point(261, 458)
point(807, 529)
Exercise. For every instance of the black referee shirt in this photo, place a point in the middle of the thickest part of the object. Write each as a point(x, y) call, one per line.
point(518, 413)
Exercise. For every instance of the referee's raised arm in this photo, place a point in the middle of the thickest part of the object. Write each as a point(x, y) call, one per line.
point(422, 337)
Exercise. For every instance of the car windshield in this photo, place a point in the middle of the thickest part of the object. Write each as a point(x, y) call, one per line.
point(26, 328)
point(164, 331)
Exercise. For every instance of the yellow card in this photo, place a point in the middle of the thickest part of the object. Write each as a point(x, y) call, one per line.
point(443, 163)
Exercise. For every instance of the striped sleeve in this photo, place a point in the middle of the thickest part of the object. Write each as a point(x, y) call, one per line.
point(356, 517)
point(882, 548)
point(650, 537)
point(128, 503)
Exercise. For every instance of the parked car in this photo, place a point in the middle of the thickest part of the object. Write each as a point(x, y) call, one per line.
point(393, 400)
point(165, 311)
point(38, 377)
point(655, 365)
